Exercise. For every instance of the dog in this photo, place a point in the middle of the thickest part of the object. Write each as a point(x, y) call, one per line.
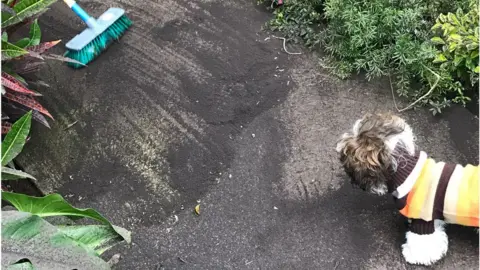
point(380, 156)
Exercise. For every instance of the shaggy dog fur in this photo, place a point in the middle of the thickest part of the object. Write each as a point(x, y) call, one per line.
point(367, 155)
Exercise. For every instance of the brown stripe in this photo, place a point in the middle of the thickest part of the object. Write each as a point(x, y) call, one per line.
point(442, 190)
point(420, 226)
point(400, 203)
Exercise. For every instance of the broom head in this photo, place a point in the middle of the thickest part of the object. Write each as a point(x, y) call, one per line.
point(93, 41)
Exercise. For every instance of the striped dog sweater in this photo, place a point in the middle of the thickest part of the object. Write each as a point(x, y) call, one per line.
point(425, 190)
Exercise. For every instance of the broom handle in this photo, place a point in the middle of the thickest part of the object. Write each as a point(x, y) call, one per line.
point(90, 21)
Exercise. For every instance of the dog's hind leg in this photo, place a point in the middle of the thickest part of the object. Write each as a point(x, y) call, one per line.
point(425, 249)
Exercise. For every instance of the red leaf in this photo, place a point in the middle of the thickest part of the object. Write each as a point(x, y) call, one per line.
point(42, 47)
point(28, 102)
point(62, 58)
point(6, 126)
point(28, 67)
point(13, 84)
point(40, 118)
point(35, 114)
point(34, 55)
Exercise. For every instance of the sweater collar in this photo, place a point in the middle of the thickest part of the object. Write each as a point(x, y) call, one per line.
point(408, 170)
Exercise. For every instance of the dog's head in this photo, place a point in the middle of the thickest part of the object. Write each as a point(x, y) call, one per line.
point(367, 152)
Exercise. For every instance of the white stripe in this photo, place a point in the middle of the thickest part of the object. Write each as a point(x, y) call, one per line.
point(451, 195)
point(69, 3)
point(407, 185)
point(433, 177)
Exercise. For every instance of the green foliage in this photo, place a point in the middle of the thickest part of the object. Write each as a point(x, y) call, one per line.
point(299, 21)
point(457, 41)
point(28, 240)
point(23, 56)
point(391, 38)
point(10, 51)
point(35, 35)
point(48, 246)
point(25, 9)
point(13, 143)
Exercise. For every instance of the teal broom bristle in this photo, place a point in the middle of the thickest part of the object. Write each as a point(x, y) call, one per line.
point(100, 43)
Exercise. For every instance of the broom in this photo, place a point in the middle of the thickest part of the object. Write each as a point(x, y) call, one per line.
point(100, 33)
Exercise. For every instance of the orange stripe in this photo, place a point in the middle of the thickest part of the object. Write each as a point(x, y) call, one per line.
point(474, 198)
point(405, 211)
point(421, 190)
point(464, 203)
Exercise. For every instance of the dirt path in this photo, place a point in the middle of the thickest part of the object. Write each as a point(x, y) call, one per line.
point(197, 103)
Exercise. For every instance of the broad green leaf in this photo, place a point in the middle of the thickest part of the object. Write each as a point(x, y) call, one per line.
point(437, 25)
point(442, 17)
point(5, 36)
point(474, 54)
point(35, 34)
point(455, 37)
point(25, 9)
point(440, 58)
point(29, 236)
point(50, 205)
point(55, 205)
point(452, 47)
point(7, 9)
point(472, 46)
point(98, 238)
point(12, 174)
point(453, 19)
point(24, 265)
point(437, 40)
point(22, 43)
point(10, 51)
point(13, 143)
point(457, 60)
point(477, 69)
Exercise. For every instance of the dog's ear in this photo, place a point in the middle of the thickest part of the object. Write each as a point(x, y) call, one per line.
point(366, 159)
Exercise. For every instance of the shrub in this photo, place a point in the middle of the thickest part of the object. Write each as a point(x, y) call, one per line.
point(31, 241)
point(457, 39)
point(298, 20)
point(22, 57)
point(385, 38)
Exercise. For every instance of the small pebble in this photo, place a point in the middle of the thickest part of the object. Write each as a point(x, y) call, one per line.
point(275, 208)
point(253, 135)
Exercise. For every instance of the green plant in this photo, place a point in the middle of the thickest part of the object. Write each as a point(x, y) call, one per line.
point(298, 20)
point(458, 41)
point(30, 240)
point(21, 57)
point(380, 38)
point(391, 38)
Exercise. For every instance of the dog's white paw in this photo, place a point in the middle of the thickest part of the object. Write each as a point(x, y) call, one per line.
point(425, 249)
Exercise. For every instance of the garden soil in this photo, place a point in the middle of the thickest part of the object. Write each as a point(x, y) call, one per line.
point(197, 105)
